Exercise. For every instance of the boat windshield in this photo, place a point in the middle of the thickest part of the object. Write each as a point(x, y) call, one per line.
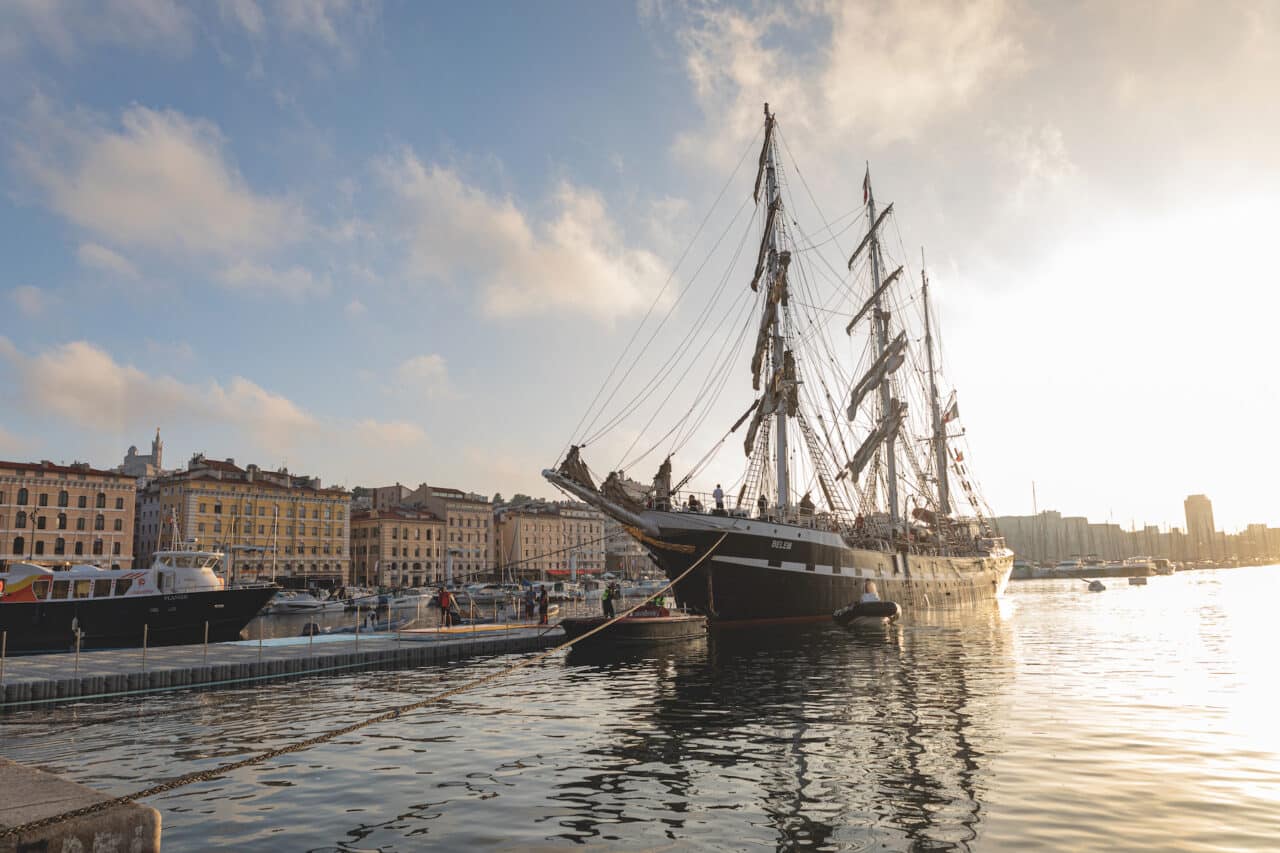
point(189, 561)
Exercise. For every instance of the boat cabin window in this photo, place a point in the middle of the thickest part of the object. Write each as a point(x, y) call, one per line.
point(41, 589)
point(60, 590)
point(102, 588)
point(122, 585)
point(84, 588)
point(165, 581)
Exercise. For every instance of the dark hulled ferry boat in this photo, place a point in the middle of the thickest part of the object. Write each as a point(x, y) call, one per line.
point(871, 439)
point(42, 608)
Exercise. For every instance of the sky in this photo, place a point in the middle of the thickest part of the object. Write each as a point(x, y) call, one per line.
point(406, 242)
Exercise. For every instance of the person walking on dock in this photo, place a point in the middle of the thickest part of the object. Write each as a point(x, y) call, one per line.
point(530, 601)
point(606, 599)
point(446, 600)
point(543, 602)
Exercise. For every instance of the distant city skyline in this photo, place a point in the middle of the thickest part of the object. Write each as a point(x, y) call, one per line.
point(288, 234)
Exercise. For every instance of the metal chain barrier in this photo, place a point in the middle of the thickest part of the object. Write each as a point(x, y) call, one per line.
point(326, 736)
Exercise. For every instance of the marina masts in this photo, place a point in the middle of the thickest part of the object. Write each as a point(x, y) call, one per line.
point(939, 436)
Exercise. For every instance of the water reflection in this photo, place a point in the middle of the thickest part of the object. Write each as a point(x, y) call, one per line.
point(827, 737)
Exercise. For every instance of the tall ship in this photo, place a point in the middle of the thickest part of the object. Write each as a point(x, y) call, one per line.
point(855, 465)
point(181, 598)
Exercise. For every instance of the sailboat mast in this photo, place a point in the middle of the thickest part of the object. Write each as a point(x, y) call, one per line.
point(882, 343)
point(777, 357)
point(939, 434)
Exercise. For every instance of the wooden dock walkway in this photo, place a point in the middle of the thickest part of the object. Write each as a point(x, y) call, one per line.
point(34, 680)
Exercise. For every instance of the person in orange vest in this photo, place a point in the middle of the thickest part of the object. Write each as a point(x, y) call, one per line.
point(446, 601)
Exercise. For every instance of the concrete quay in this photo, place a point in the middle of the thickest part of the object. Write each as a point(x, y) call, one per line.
point(40, 680)
point(32, 795)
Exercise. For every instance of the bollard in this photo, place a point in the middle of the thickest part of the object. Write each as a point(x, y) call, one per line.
point(357, 627)
point(4, 649)
point(206, 641)
point(259, 641)
point(145, 629)
point(311, 640)
point(79, 634)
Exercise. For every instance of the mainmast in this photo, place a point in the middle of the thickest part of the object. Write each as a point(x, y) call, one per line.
point(939, 434)
point(777, 354)
point(882, 344)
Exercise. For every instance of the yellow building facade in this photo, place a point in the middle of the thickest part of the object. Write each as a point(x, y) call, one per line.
point(272, 524)
point(66, 514)
point(397, 547)
point(541, 540)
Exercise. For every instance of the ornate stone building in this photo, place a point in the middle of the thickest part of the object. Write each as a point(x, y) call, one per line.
point(66, 513)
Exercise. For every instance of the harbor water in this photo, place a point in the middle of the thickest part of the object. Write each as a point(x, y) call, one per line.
point(1140, 718)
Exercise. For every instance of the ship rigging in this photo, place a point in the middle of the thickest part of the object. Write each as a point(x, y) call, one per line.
point(864, 440)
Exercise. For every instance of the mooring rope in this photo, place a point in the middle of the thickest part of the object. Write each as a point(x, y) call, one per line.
point(324, 737)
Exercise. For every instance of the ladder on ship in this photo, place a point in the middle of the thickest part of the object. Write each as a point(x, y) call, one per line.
point(822, 467)
point(753, 483)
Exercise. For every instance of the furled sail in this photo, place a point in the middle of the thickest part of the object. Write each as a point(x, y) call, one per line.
point(764, 155)
point(867, 239)
point(889, 426)
point(884, 366)
point(762, 342)
point(765, 243)
point(874, 298)
point(778, 291)
point(575, 469)
point(768, 404)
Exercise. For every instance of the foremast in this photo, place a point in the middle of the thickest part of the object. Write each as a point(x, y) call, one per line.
point(777, 285)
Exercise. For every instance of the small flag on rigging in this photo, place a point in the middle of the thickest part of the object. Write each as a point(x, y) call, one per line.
point(866, 185)
point(952, 411)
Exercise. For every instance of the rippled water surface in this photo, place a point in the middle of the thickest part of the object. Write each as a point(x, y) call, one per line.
point(1142, 718)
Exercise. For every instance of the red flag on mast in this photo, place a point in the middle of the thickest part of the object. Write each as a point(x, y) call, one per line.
point(866, 185)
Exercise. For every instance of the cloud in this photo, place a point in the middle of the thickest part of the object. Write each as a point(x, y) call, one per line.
point(294, 282)
point(334, 24)
point(10, 444)
point(390, 432)
point(425, 374)
point(574, 261)
point(30, 301)
point(102, 258)
point(161, 181)
point(355, 308)
point(66, 27)
point(84, 384)
point(885, 72)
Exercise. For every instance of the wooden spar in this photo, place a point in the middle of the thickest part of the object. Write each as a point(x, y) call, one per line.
point(867, 238)
point(744, 417)
point(870, 303)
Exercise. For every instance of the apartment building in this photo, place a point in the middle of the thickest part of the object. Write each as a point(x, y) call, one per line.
point(66, 513)
point(397, 547)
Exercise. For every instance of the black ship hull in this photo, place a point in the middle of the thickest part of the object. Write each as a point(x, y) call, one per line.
point(635, 630)
point(42, 626)
point(767, 571)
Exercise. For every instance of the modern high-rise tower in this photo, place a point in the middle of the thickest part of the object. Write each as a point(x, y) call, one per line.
point(1200, 529)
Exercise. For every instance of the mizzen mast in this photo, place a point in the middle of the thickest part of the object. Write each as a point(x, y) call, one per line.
point(939, 426)
point(888, 406)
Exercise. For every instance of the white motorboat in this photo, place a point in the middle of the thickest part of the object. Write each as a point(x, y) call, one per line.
point(305, 602)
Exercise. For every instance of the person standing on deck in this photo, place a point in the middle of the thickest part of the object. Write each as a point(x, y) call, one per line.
point(762, 503)
point(606, 599)
point(718, 494)
point(543, 601)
